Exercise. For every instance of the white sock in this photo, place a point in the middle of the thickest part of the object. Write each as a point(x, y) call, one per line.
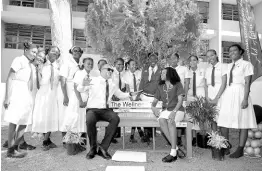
point(176, 147)
point(173, 152)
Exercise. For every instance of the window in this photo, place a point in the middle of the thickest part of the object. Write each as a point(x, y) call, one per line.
point(77, 5)
point(17, 34)
point(230, 12)
point(203, 10)
point(225, 52)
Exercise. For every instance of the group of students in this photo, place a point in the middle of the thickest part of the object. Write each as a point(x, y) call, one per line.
point(34, 100)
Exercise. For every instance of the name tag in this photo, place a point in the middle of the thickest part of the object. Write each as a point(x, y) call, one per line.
point(132, 104)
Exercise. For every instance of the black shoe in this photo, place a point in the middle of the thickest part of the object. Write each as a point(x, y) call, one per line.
point(180, 153)
point(169, 159)
point(132, 140)
point(5, 145)
point(145, 139)
point(25, 146)
point(12, 153)
point(114, 141)
point(91, 154)
point(103, 153)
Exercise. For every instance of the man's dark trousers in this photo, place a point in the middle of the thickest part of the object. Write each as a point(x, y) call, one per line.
point(95, 115)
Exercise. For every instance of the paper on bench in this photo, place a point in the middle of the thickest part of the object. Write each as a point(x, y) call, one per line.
point(125, 168)
point(129, 156)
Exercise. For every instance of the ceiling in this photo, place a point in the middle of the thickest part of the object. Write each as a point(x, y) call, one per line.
point(253, 2)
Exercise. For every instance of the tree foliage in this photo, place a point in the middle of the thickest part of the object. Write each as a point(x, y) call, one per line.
point(117, 28)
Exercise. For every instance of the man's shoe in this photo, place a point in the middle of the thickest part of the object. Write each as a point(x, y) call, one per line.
point(5, 145)
point(12, 153)
point(181, 153)
point(25, 146)
point(52, 145)
point(103, 153)
point(91, 154)
point(145, 139)
point(114, 141)
point(132, 140)
point(169, 159)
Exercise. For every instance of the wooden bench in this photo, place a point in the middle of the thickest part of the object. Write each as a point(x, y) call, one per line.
point(142, 116)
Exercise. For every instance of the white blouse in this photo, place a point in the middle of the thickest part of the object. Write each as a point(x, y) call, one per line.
point(22, 68)
point(220, 70)
point(129, 79)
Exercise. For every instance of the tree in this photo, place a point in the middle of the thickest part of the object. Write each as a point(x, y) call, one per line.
point(61, 26)
point(117, 28)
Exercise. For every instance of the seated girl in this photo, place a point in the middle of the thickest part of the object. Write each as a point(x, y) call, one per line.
point(170, 91)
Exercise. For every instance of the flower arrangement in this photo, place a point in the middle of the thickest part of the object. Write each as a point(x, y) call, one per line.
point(73, 137)
point(121, 27)
point(217, 141)
point(202, 113)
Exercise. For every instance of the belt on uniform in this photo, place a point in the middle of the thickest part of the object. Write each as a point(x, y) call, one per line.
point(148, 95)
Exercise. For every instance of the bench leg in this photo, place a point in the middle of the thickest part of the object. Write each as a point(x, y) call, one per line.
point(154, 139)
point(124, 131)
point(189, 140)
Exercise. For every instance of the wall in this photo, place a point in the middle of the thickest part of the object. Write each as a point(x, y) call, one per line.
point(258, 14)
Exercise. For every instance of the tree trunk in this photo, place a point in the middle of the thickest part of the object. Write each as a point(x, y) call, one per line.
point(61, 26)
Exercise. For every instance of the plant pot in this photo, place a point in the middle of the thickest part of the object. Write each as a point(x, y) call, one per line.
point(202, 140)
point(72, 148)
point(218, 154)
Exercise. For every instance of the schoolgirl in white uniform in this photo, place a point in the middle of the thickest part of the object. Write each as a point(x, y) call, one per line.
point(132, 78)
point(67, 73)
point(76, 110)
point(236, 109)
point(45, 115)
point(215, 76)
point(195, 85)
point(18, 99)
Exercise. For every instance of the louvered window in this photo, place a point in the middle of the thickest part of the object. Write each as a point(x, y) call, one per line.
point(203, 10)
point(230, 12)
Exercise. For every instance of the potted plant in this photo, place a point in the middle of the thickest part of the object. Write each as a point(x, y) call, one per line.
point(73, 142)
point(203, 114)
point(217, 143)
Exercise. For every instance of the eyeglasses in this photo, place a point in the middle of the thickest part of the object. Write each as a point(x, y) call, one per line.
point(109, 69)
point(77, 51)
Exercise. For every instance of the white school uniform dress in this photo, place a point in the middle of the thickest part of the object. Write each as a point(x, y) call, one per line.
point(220, 71)
point(75, 116)
point(200, 83)
point(67, 70)
point(231, 115)
point(181, 71)
point(45, 114)
point(21, 101)
point(128, 79)
point(200, 90)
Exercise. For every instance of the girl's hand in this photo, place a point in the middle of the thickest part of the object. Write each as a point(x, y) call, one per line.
point(66, 101)
point(6, 103)
point(83, 104)
point(172, 117)
point(156, 112)
point(244, 104)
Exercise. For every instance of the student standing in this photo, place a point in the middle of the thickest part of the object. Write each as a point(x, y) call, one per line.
point(132, 78)
point(215, 76)
point(195, 85)
point(170, 91)
point(236, 107)
point(18, 99)
point(76, 120)
point(67, 72)
point(149, 80)
point(45, 115)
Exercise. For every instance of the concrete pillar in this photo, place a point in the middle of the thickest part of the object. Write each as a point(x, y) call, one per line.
point(214, 21)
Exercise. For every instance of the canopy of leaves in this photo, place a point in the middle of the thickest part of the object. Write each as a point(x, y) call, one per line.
point(117, 28)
